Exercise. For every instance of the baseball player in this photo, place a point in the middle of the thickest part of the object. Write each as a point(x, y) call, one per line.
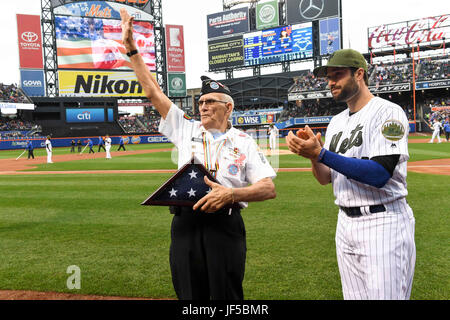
point(365, 158)
point(108, 146)
point(436, 126)
point(273, 137)
point(49, 149)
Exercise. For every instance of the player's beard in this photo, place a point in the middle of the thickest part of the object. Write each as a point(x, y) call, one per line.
point(348, 91)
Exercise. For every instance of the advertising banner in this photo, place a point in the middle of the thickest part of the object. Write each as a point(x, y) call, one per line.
point(91, 43)
point(309, 95)
point(81, 115)
point(404, 34)
point(299, 11)
point(330, 36)
point(144, 5)
point(30, 41)
point(444, 83)
point(267, 15)
point(228, 23)
point(100, 9)
point(177, 84)
point(396, 87)
point(32, 82)
point(252, 120)
point(278, 44)
point(226, 53)
point(175, 48)
point(66, 142)
point(99, 84)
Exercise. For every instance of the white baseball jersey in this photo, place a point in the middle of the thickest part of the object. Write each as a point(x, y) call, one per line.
point(380, 128)
point(108, 142)
point(437, 126)
point(48, 145)
point(234, 155)
point(273, 132)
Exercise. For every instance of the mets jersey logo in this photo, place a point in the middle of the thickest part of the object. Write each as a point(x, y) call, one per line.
point(355, 140)
point(393, 130)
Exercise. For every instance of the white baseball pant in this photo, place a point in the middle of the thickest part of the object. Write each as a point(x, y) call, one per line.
point(376, 254)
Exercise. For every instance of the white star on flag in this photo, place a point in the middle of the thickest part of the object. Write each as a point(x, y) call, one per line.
point(191, 193)
point(173, 193)
point(193, 174)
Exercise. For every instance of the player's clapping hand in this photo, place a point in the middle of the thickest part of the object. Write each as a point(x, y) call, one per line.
point(305, 143)
point(215, 199)
point(127, 30)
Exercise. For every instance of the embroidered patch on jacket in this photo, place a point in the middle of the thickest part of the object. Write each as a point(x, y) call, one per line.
point(233, 169)
point(393, 130)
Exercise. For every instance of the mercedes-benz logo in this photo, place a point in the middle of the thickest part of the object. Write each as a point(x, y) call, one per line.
point(29, 36)
point(311, 9)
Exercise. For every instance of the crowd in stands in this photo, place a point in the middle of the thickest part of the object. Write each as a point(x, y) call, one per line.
point(440, 114)
point(308, 82)
point(142, 123)
point(311, 108)
point(385, 74)
point(434, 69)
point(11, 93)
point(16, 128)
point(431, 68)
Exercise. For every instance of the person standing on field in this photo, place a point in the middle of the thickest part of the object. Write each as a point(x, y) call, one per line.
point(49, 149)
point(30, 149)
point(121, 144)
point(365, 158)
point(273, 137)
point(108, 146)
point(208, 240)
point(436, 126)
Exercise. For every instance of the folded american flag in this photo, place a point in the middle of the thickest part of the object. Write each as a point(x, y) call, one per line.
point(184, 188)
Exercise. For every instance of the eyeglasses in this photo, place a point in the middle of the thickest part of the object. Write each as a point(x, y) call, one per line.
point(209, 102)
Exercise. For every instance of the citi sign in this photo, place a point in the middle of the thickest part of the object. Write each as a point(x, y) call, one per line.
point(85, 115)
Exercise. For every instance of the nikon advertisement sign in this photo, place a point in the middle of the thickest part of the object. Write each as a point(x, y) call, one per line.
point(267, 15)
point(99, 84)
point(226, 53)
point(177, 84)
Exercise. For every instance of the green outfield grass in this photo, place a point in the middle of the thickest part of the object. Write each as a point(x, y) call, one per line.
point(95, 221)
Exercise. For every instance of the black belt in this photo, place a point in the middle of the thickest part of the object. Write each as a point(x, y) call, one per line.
point(356, 211)
point(177, 210)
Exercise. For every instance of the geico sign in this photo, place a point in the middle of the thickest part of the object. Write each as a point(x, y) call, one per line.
point(32, 83)
point(102, 84)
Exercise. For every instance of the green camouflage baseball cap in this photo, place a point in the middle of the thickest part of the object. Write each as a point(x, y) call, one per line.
point(342, 58)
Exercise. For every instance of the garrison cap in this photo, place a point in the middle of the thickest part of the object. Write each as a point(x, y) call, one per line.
point(342, 58)
point(211, 86)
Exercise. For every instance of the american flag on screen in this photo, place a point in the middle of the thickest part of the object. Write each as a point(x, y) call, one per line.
point(88, 43)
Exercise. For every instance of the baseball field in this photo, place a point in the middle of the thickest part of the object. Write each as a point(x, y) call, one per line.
point(84, 211)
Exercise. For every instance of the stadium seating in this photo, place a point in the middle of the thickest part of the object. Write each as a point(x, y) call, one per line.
point(11, 93)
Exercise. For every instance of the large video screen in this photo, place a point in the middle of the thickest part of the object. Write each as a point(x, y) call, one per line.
point(278, 44)
point(91, 43)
